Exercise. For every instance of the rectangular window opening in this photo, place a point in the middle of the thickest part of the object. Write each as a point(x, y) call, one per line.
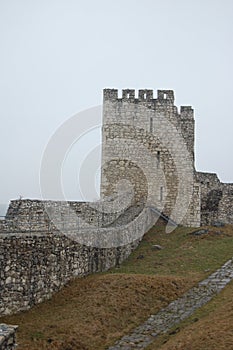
point(161, 193)
point(158, 158)
point(151, 124)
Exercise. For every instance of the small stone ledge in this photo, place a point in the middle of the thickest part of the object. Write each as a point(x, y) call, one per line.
point(7, 337)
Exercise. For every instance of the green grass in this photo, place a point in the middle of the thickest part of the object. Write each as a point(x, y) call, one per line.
point(182, 255)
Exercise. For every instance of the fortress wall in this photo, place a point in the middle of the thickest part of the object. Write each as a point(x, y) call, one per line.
point(39, 215)
point(225, 210)
point(193, 216)
point(36, 265)
point(187, 126)
point(210, 185)
point(147, 157)
point(216, 199)
point(147, 143)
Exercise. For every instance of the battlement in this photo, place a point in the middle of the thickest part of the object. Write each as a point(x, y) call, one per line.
point(167, 95)
point(186, 112)
point(144, 95)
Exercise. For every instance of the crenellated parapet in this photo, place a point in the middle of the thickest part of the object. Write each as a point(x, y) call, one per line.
point(166, 96)
point(142, 95)
point(110, 94)
point(162, 103)
point(186, 112)
point(128, 103)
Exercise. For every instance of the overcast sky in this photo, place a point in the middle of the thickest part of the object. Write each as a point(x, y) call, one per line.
point(58, 55)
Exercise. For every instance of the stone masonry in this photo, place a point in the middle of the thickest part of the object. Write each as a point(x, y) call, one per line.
point(148, 144)
point(7, 337)
point(217, 199)
point(147, 170)
point(36, 264)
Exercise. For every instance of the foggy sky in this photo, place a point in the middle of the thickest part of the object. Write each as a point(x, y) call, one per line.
point(58, 55)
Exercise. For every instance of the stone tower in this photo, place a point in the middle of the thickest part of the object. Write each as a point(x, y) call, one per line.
point(148, 150)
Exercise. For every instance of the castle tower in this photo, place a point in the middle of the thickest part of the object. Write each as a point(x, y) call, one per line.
point(148, 148)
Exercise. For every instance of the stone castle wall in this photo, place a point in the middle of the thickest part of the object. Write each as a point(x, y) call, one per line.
point(147, 168)
point(149, 146)
point(34, 264)
point(217, 199)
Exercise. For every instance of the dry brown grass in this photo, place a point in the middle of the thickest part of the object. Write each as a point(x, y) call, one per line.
point(93, 312)
point(210, 328)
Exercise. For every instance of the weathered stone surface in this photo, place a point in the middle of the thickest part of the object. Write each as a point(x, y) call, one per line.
point(157, 247)
point(218, 224)
point(147, 157)
point(148, 143)
point(7, 337)
point(216, 200)
point(34, 265)
point(199, 232)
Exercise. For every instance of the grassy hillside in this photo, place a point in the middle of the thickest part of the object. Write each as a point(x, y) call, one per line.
point(210, 328)
point(92, 312)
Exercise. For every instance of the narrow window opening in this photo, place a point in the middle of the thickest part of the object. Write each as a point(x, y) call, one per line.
point(165, 96)
point(158, 158)
point(161, 193)
point(127, 96)
point(144, 96)
point(151, 124)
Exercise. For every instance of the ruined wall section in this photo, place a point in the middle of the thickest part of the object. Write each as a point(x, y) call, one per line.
point(38, 215)
point(226, 204)
point(216, 199)
point(34, 265)
point(141, 146)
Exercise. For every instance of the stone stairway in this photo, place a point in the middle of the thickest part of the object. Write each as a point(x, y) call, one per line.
point(177, 310)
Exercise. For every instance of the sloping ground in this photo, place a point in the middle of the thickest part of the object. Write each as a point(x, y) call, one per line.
point(183, 254)
point(92, 312)
point(211, 328)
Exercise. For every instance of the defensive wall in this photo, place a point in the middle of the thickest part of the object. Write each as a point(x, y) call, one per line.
point(147, 162)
